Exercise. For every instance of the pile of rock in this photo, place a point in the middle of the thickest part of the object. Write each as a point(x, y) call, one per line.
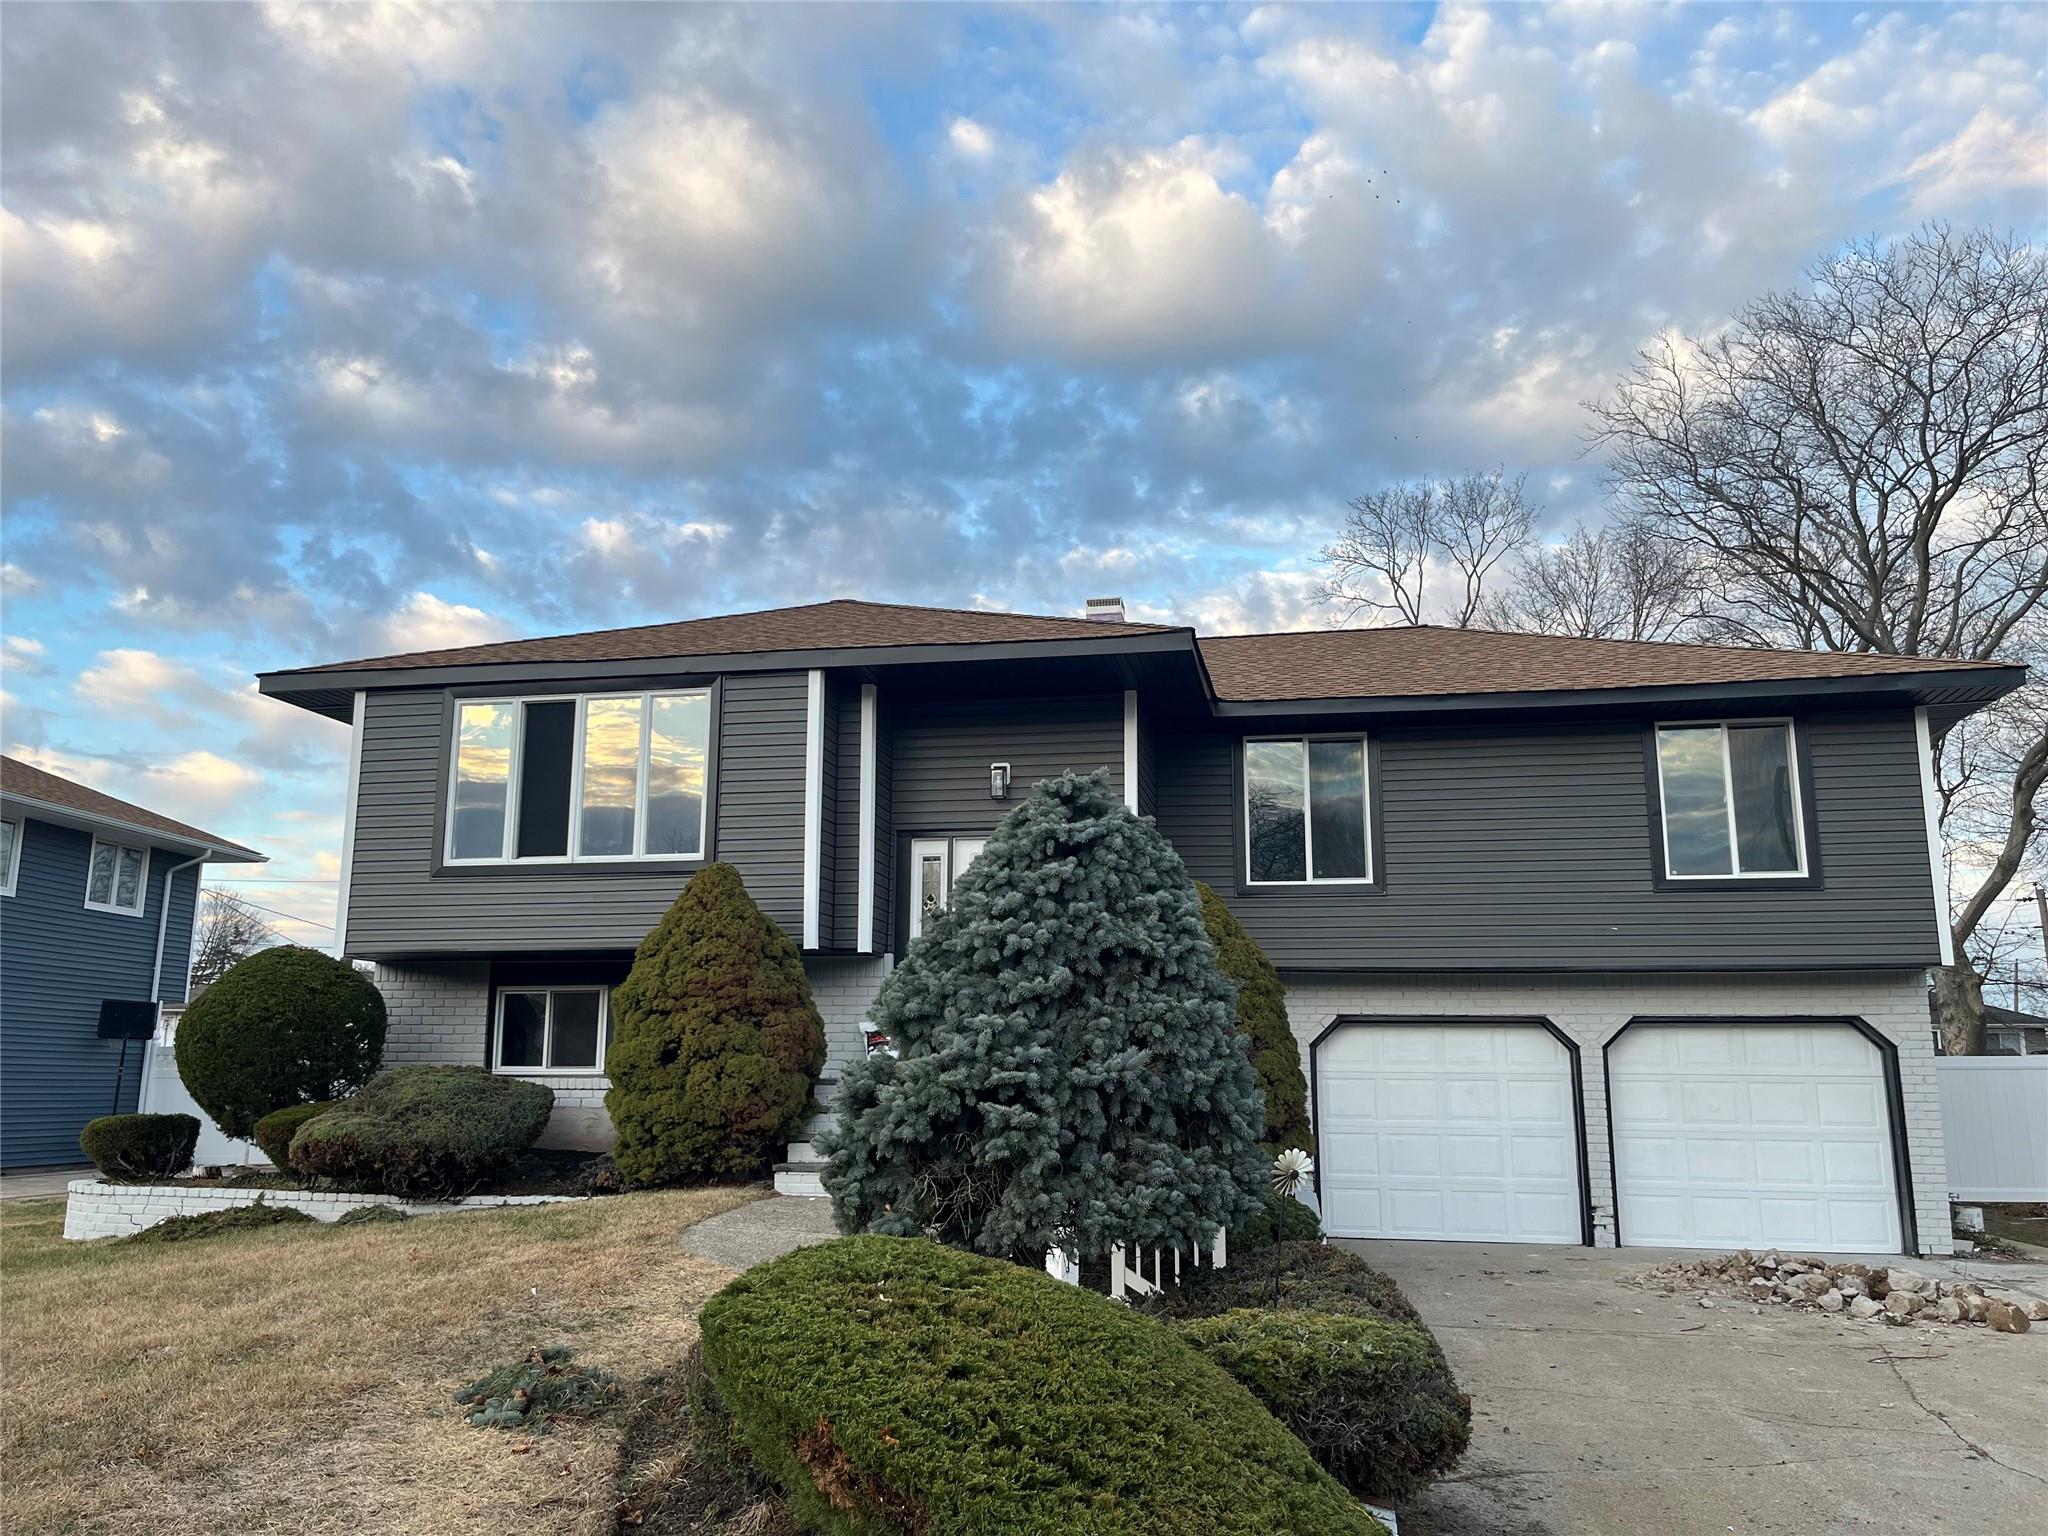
point(1892, 1294)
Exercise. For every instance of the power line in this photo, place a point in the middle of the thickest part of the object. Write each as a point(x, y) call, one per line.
point(290, 917)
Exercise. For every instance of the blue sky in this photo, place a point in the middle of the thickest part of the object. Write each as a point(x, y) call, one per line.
point(329, 331)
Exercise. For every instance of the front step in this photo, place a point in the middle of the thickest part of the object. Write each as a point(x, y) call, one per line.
point(804, 1180)
point(803, 1152)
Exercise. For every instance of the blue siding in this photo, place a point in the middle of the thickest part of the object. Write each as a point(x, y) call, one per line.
point(57, 962)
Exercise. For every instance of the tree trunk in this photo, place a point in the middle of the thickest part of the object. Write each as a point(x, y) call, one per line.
point(1959, 1003)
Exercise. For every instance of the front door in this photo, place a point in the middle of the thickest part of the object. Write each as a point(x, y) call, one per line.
point(935, 863)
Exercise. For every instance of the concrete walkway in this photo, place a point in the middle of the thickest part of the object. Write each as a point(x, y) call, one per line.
point(41, 1183)
point(1601, 1408)
point(753, 1234)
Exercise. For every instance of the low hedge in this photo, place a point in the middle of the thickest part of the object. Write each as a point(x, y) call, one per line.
point(890, 1384)
point(130, 1147)
point(424, 1132)
point(1369, 1398)
point(1290, 1276)
point(274, 1132)
point(1280, 1219)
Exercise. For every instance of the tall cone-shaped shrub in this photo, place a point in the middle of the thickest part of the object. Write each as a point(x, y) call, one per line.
point(1070, 1067)
point(1262, 1015)
point(715, 1039)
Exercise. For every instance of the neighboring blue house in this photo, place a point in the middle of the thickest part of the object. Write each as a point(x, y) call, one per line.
point(96, 902)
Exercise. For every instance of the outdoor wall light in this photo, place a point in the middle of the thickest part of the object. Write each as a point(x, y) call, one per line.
point(999, 781)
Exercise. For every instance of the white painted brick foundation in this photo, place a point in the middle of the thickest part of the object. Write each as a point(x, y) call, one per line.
point(439, 1012)
point(95, 1210)
point(1593, 1009)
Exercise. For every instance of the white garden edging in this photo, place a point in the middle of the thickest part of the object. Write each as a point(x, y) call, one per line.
point(116, 1210)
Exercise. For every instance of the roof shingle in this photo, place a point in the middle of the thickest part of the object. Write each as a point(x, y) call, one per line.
point(843, 623)
point(1424, 660)
point(39, 784)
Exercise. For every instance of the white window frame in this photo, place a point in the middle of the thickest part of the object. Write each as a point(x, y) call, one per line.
point(509, 844)
point(920, 849)
point(547, 1049)
point(13, 870)
point(1735, 872)
point(141, 885)
point(1308, 833)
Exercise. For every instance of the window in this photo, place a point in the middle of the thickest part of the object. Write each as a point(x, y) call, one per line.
point(935, 863)
point(1305, 813)
point(116, 877)
point(1730, 800)
point(616, 776)
point(10, 855)
point(552, 1029)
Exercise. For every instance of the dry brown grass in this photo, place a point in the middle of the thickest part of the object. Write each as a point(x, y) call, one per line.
point(298, 1379)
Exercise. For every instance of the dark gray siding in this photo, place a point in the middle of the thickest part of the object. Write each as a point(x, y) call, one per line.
point(60, 962)
point(398, 906)
point(842, 862)
point(1148, 764)
point(943, 749)
point(1529, 848)
point(835, 772)
point(885, 828)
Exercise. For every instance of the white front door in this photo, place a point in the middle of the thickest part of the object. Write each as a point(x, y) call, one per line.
point(1752, 1135)
point(935, 863)
point(1463, 1131)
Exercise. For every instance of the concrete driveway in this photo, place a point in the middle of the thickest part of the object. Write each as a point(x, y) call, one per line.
point(1598, 1407)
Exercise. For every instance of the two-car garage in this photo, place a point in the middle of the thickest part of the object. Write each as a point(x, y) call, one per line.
point(1724, 1133)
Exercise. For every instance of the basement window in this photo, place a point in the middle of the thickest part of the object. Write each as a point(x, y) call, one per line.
point(551, 1029)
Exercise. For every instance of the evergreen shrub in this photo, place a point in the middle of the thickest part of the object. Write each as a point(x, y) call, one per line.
point(424, 1132)
point(131, 1148)
point(1262, 1015)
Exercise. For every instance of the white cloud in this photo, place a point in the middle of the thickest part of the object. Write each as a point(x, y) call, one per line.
point(970, 139)
point(425, 622)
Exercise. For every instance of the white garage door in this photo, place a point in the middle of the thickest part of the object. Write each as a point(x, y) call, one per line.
point(1459, 1131)
point(1757, 1135)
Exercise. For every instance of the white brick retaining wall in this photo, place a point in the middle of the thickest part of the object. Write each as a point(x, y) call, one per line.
point(439, 1012)
point(1593, 1009)
point(116, 1210)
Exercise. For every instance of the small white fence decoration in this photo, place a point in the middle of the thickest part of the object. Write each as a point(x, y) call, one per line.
point(1127, 1266)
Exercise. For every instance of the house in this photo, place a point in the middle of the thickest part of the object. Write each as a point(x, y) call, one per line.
point(1586, 941)
point(96, 907)
point(2007, 1031)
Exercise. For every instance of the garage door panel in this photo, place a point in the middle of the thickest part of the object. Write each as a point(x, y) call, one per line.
point(1730, 1135)
point(1456, 1131)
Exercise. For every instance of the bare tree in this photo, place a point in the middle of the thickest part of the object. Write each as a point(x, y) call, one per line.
point(1620, 582)
point(1400, 541)
point(1858, 465)
point(229, 930)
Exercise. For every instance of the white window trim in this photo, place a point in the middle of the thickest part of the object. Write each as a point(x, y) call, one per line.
point(920, 848)
point(604, 1032)
point(1728, 797)
point(141, 885)
point(582, 701)
point(1308, 833)
point(13, 870)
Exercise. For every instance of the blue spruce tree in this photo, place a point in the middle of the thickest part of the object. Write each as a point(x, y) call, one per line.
point(1070, 1065)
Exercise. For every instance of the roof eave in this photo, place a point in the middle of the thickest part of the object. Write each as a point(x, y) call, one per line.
point(329, 691)
point(1969, 689)
point(213, 850)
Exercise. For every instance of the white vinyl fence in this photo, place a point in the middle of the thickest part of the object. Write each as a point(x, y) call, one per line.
point(1994, 1126)
point(163, 1093)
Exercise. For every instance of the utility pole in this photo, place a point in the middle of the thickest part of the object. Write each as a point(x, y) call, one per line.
point(2041, 913)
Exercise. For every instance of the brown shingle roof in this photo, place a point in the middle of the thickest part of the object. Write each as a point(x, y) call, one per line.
point(843, 623)
point(38, 784)
point(1424, 660)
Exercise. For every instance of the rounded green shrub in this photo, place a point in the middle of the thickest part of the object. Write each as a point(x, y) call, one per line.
point(1369, 1398)
point(892, 1384)
point(273, 1133)
point(140, 1147)
point(1290, 1276)
point(1280, 1219)
point(285, 1026)
point(424, 1132)
point(1262, 1017)
point(715, 1040)
point(1069, 1068)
